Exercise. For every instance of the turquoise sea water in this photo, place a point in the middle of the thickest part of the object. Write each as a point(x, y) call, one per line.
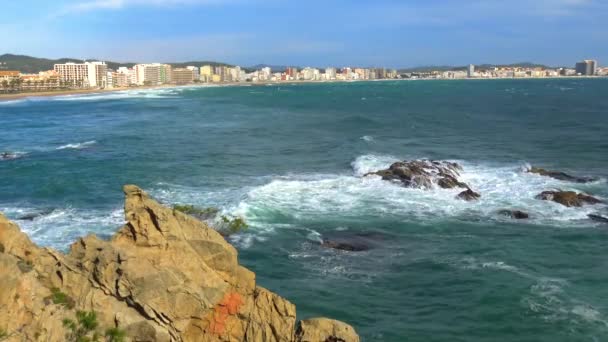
point(289, 158)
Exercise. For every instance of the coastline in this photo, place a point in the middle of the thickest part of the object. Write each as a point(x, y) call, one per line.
point(68, 92)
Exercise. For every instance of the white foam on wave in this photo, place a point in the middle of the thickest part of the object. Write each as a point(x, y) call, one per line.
point(11, 155)
point(62, 226)
point(77, 146)
point(367, 138)
point(352, 196)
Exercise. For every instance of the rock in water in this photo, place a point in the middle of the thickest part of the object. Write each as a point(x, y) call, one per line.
point(559, 175)
point(423, 174)
point(568, 198)
point(325, 330)
point(164, 276)
point(469, 195)
point(598, 218)
point(353, 241)
point(516, 214)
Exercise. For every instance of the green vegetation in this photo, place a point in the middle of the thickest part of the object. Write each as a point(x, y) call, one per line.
point(227, 224)
point(58, 297)
point(201, 213)
point(84, 329)
point(3, 334)
point(233, 225)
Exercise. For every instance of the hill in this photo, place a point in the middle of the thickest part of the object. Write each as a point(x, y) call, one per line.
point(28, 64)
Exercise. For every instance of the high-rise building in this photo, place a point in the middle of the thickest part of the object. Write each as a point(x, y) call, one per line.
point(89, 74)
point(471, 71)
point(151, 74)
point(97, 74)
point(182, 75)
point(195, 72)
point(330, 73)
point(206, 73)
point(587, 67)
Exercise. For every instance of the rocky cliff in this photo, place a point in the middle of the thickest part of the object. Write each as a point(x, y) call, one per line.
point(164, 276)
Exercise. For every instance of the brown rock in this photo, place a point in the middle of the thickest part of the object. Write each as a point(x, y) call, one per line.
point(423, 174)
point(598, 218)
point(325, 330)
point(568, 198)
point(559, 175)
point(468, 195)
point(516, 214)
point(164, 276)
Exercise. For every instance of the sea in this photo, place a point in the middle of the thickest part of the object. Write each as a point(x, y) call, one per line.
point(291, 158)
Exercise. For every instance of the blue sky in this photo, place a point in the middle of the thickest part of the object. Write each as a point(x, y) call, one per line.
point(310, 32)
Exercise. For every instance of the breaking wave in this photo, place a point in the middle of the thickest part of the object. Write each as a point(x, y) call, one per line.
point(77, 146)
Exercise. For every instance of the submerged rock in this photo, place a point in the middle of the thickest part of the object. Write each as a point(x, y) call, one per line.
point(598, 218)
point(10, 155)
point(568, 198)
point(469, 195)
point(353, 241)
point(423, 174)
point(560, 175)
point(516, 214)
point(34, 215)
point(164, 276)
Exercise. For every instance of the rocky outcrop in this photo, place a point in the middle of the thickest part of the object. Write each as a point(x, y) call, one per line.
point(559, 175)
point(515, 214)
point(469, 195)
point(423, 174)
point(164, 276)
point(325, 330)
point(568, 198)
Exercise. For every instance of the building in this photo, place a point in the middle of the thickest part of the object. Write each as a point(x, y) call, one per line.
point(330, 73)
point(206, 73)
point(150, 74)
point(586, 68)
point(182, 76)
point(165, 73)
point(195, 72)
point(89, 74)
point(9, 75)
point(471, 71)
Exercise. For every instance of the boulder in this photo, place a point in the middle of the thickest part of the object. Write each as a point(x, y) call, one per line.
point(325, 330)
point(598, 218)
point(164, 276)
point(353, 241)
point(469, 195)
point(568, 198)
point(423, 174)
point(516, 214)
point(560, 175)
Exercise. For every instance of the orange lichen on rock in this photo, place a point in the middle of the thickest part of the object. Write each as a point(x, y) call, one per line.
point(229, 305)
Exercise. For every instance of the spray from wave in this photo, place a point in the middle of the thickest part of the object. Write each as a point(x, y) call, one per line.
point(77, 146)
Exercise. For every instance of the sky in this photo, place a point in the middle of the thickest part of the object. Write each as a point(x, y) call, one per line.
point(390, 33)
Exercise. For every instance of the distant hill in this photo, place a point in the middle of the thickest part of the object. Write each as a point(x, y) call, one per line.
point(28, 64)
point(429, 68)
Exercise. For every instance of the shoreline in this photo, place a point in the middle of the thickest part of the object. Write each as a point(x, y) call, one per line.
point(68, 92)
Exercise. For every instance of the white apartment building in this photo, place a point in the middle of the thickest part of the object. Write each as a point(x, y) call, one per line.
point(89, 74)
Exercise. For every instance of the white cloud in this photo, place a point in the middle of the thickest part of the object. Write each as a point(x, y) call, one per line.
point(94, 5)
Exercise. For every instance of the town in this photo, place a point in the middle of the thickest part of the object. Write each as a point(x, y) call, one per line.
point(97, 75)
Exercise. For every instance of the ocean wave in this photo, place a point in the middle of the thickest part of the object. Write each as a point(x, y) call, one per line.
point(77, 146)
point(367, 138)
point(60, 227)
point(351, 196)
point(12, 155)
